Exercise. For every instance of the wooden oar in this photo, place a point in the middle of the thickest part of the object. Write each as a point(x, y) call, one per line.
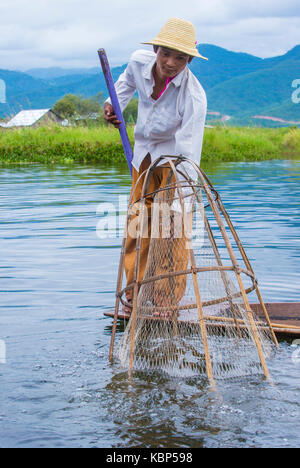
point(116, 106)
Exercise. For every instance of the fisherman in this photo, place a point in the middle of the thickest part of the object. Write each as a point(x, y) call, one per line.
point(171, 118)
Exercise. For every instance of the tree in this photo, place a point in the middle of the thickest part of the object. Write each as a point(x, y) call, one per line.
point(66, 107)
point(72, 106)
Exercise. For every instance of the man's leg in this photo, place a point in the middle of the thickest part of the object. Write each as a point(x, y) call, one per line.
point(133, 224)
point(173, 254)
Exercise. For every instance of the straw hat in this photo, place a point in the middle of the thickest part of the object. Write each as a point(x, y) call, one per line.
point(178, 34)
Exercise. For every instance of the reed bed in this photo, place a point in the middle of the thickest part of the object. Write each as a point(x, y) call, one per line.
point(69, 145)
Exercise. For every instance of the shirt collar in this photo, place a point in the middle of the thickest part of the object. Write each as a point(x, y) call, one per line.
point(178, 78)
point(147, 72)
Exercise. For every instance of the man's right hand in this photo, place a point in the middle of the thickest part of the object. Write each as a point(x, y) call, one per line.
point(110, 116)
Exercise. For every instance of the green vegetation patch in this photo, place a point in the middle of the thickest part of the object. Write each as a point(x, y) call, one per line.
point(68, 145)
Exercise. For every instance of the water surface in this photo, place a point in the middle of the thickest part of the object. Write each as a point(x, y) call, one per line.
point(56, 280)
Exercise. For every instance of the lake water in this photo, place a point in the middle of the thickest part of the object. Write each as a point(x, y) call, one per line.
point(56, 280)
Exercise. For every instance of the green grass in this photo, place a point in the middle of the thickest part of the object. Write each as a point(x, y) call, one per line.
point(59, 145)
point(250, 144)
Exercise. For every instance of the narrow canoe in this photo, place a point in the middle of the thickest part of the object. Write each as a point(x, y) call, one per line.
point(284, 316)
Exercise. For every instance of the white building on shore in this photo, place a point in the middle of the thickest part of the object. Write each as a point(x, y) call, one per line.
point(33, 118)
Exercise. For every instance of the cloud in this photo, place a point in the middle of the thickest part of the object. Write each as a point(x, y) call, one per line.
point(264, 8)
point(68, 33)
point(263, 37)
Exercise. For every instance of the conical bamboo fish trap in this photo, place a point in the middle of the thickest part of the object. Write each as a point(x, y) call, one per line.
point(190, 312)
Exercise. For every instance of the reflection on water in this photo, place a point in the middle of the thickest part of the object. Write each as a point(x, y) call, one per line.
point(56, 280)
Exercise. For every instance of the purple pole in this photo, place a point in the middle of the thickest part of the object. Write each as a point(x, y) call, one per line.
point(116, 106)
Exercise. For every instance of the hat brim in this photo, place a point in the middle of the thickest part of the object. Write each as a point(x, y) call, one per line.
point(170, 45)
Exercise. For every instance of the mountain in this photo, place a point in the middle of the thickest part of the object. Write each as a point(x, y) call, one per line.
point(286, 113)
point(240, 86)
point(253, 91)
point(18, 87)
point(222, 65)
point(293, 54)
point(237, 84)
point(25, 92)
point(56, 72)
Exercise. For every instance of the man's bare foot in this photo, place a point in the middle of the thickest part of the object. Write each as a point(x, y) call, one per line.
point(127, 309)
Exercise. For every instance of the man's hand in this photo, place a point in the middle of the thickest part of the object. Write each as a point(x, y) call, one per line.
point(110, 116)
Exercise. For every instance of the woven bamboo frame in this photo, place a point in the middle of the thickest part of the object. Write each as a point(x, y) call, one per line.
point(217, 207)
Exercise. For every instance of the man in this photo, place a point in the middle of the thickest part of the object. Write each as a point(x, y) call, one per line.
point(171, 119)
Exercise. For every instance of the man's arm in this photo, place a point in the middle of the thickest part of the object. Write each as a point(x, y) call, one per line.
point(125, 89)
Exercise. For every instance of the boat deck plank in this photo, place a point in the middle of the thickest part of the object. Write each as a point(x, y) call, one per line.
point(282, 315)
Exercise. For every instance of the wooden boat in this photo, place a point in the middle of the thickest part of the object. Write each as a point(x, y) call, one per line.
point(284, 316)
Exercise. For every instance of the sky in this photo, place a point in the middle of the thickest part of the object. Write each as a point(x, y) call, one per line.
point(68, 33)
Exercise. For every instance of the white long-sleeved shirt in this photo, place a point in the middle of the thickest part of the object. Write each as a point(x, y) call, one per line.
point(173, 124)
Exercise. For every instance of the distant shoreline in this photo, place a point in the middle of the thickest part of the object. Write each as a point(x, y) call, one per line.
point(102, 145)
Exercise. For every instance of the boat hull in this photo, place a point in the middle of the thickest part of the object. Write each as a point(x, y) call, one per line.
point(284, 316)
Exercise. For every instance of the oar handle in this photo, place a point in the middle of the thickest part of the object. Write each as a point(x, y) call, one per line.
point(116, 106)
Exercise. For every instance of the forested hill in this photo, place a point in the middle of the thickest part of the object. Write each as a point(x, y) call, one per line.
point(239, 86)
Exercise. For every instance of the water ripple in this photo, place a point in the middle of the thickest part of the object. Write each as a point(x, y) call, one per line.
point(57, 388)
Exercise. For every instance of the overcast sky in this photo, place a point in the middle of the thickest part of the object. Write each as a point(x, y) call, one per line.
point(67, 33)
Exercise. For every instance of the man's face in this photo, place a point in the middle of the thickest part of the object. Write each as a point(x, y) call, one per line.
point(170, 63)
